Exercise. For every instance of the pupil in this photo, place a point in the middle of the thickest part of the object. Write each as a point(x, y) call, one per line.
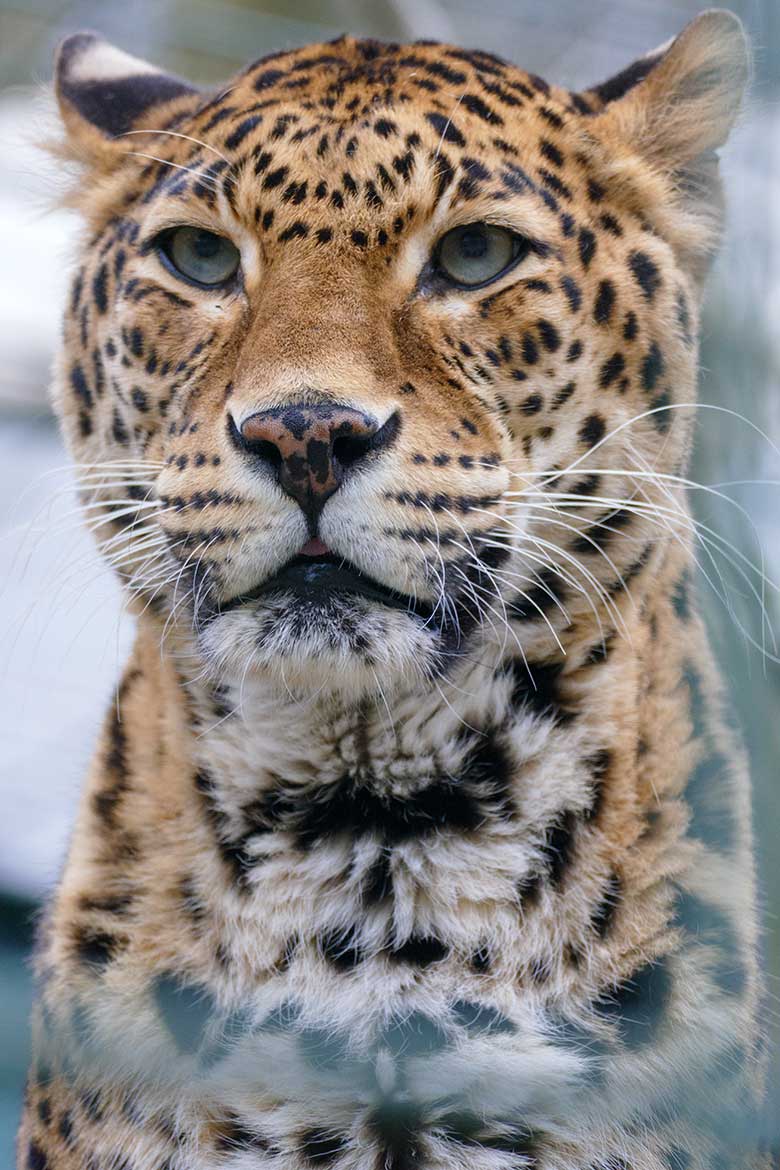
point(206, 245)
point(473, 244)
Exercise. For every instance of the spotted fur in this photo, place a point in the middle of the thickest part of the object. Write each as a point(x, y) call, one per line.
point(461, 879)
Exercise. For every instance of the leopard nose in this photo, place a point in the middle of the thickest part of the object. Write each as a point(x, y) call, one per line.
point(310, 449)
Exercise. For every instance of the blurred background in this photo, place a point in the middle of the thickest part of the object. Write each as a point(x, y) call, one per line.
point(62, 632)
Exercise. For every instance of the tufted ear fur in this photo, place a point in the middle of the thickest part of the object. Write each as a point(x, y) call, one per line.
point(103, 92)
point(677, 105)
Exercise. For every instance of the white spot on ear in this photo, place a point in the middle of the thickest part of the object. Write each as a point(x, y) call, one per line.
point(100, 61)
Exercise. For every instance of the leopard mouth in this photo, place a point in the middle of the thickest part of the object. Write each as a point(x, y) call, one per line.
point(317, 580)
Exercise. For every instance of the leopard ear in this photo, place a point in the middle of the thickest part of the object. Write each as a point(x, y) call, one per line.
point(103, 93)
point(680, 102)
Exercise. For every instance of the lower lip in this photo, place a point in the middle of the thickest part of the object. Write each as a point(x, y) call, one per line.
point(318, 579)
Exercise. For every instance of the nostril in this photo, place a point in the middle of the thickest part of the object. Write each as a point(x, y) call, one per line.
point(348, 449)
point(264, 450)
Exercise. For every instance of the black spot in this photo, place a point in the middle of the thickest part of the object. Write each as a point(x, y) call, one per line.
point(341, 948)
point(139, 399)
point(396, 1125)
point(574, 351)
point(630, 326)
point(445, 129)
point(532, 404)
point(554, 183)
point(602, 916)
point(232, 852)
point(234, 1135)
point(563, 395)
point(536, 688)
point(552, 117)
point(359, 239)
point(322, 1146)
point(573, 293)
point(36, 1159)
point(99, 285)
point(420, 951)
point(551, 338)
point(592, 430)
point(385, 128)
point(611, 370)
point(551, 152)
point(65, 1128)
point(403, 164)
point(44, 1111)
point(645, 273)
point(467, 1129)
point(605, 302)
point(296, 230)
point(538, 599)
point(119, 431)
point(558, 845)
point(378, 883)
point(610, 224)
point(275, 178)
point(237, 136)
point(96, 947)
point(530, 350)
point(683, 317)
point(268, 78)
point(587, 247)
point(652, 367)
point(81, 387)
point(475, 105)
point(595, 191)
point(481, 960)
point(356, 808)
point(637, 1005)
point(661, 416)
point(295, 192)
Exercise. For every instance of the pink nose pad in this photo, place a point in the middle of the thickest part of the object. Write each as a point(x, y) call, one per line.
point(310, 448)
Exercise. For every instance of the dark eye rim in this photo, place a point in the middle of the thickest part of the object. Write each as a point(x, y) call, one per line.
point(163, 238)
point(522, 247)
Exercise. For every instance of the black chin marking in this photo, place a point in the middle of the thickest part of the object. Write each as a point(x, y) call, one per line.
point(317, 580)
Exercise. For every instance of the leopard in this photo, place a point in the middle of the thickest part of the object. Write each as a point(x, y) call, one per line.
point(417, 835)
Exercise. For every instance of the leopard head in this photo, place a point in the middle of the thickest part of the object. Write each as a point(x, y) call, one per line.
point(368, 352)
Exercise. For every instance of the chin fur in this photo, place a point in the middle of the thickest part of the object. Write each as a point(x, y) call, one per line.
point(345, 647)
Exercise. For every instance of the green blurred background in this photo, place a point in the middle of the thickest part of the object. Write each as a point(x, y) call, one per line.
point(62, 633)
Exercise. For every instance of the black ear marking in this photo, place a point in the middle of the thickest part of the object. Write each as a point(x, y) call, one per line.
point(618, 86)
point(108, 88)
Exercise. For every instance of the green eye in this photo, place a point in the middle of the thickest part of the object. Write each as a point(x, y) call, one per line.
point(200, 256)
point(478, 252)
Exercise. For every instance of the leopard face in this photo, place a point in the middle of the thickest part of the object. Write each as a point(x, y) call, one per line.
point(347, 335)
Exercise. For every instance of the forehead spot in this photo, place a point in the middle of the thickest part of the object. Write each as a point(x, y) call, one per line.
point(446, 129)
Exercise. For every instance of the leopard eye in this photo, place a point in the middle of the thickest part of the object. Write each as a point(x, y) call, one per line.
point(477, 253)
point(200, 256)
